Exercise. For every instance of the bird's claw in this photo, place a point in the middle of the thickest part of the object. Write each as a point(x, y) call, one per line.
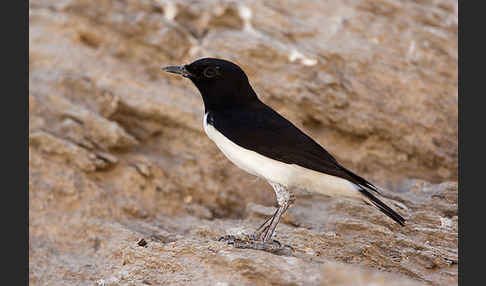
point(249, 241)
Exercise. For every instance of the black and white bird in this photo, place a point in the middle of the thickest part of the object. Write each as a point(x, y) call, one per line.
point(260, 141)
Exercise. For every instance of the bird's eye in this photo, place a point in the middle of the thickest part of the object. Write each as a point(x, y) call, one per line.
point(210, 72)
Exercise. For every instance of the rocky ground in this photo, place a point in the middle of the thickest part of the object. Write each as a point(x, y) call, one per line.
point(126, 189)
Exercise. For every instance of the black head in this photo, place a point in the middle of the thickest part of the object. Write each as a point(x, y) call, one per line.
point(222, 84)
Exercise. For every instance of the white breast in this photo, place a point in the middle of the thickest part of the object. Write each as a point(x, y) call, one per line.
point(289, 175)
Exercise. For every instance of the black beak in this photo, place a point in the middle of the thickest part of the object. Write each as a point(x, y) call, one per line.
point(178, 70)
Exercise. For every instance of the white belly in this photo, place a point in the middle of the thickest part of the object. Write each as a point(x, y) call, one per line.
point(289, 175)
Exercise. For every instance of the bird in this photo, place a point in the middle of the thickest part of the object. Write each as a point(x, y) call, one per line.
point(259, 140)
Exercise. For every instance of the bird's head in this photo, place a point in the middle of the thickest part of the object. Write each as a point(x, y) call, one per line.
point(220, 82)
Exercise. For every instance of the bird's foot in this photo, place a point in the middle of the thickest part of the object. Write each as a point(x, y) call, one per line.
point(250, 241)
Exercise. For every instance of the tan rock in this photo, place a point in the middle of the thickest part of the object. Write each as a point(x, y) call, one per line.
point(117, 152)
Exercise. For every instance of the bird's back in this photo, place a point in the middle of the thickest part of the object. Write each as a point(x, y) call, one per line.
point(259, 128)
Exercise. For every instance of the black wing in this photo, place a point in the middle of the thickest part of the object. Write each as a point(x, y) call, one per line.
point(259, 128)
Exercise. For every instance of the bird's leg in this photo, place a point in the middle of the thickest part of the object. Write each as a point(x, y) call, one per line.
point(264, 227)
point(285, 199)
point(267, 235)
point(262, 238)
point(256, 236)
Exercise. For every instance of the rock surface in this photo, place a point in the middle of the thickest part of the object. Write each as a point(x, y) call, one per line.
point(117, 153)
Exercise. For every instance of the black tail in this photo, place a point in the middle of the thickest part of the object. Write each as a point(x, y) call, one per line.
point(384, 208)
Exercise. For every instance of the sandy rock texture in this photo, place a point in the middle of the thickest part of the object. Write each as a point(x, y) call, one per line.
point(126, 189)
